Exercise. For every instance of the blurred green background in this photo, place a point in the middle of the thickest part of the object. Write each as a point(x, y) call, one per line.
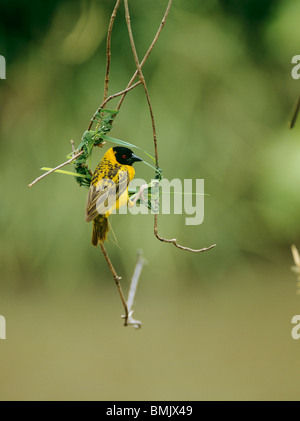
point(216, 325)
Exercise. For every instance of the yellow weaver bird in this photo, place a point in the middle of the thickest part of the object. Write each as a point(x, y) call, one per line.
point(109, 189)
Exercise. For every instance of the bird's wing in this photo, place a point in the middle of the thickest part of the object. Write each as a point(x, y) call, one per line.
point(105, 193)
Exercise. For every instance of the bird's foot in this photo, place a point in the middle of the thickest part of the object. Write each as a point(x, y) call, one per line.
point(139, 195)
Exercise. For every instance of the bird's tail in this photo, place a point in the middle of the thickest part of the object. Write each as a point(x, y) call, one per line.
point(100, 229)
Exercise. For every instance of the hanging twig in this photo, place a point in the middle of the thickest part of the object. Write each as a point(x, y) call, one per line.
point(117, 281)
point(73, 147)
point(295, 113)
point(128, 319)
point(108, 99)
point(162, 24)
point(108, 49)
point(174, 241)
point(135, 278)
point(142, 79)
point(132, 290)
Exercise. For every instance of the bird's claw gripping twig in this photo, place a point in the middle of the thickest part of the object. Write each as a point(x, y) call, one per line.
point(139, 195)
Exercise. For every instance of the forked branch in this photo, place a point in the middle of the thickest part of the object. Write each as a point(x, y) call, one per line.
point(110, 98)
point(128, 319)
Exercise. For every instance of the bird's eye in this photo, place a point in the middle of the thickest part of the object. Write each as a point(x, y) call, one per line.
point(124, 156)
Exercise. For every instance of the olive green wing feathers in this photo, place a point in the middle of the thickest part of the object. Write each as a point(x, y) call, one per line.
point(104, 193)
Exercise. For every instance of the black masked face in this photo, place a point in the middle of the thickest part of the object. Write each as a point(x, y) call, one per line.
point(125, 156)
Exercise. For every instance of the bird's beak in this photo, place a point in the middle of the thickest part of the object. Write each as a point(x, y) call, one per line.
point(135, 158)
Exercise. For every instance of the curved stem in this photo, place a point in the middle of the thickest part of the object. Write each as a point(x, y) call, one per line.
point(142, 79)
point(174, 241)
point(108, 48)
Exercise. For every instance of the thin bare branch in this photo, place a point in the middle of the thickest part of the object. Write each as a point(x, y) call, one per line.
point(295, 114)
point(162, 24)
point(108, 48)
point(129, 85)
point(133, 287)
point(121, 93)
point(56, 168)
point(117, 281)
point(174, 241)
point(73, 147)
point(141, 76)
point(110, 98)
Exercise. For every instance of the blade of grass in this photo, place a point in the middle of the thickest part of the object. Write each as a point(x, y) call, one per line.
point(75, 174)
